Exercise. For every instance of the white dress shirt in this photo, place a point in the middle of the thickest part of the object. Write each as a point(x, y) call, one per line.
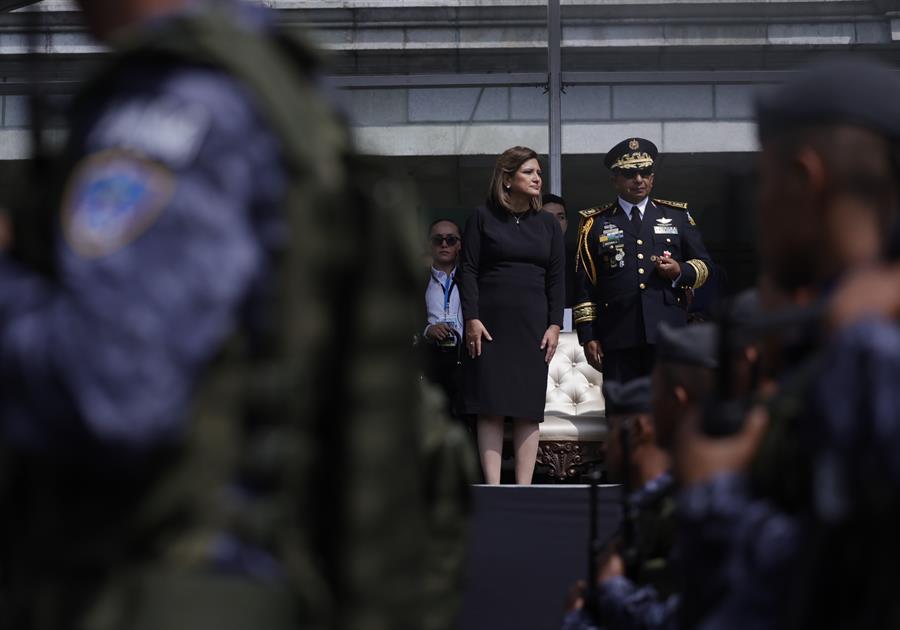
point(435, 301)
point(627, 206)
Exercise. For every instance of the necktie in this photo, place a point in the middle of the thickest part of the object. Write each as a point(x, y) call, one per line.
point(636, 218)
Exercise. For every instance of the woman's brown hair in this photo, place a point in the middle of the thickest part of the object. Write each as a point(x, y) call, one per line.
point(507, 164)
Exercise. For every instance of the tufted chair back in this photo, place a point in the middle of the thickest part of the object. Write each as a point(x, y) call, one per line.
point(574, 427)
point(573, 386)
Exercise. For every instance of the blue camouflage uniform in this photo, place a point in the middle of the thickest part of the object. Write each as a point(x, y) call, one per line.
point(807, 536)
point(737, 549)
point(625, 603)
point(756, 561)
point(163, 239)
point(168, 391)
point(163, 246)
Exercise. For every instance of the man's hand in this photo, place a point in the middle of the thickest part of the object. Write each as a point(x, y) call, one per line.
point(614, 566)
point(699, 458)
point(550, 342)
point(667, 267)
point(438, 332)
point(575, 596)
point(594, 354)
point(475, 330)
point(6, 231)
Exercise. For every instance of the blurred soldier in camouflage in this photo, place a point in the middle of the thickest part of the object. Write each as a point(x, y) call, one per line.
point(799, 509)
point(202, 425)
point(633, 573)
point(638, 586)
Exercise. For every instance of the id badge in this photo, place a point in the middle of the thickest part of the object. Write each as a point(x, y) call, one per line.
point(450, 341)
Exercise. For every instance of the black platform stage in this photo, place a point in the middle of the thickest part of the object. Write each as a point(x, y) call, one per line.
point(528, 545)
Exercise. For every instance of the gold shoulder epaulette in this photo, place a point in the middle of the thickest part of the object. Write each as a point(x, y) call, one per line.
point(592, 211)
point(672, 204)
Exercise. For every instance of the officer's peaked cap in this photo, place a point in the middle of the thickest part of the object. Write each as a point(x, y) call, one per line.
point(633, 153)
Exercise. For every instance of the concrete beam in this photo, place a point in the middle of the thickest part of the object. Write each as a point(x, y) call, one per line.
point(492, 139)
point(450, 139)
point(577, 138)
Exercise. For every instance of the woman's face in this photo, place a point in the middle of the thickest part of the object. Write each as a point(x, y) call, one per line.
point(527, 180)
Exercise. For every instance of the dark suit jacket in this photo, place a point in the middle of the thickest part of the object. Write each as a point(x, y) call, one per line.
point(620, 298)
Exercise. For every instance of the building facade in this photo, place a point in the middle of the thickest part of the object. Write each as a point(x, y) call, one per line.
point(440, 87)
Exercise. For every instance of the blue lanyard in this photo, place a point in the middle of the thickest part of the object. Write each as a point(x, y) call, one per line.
point(448, 289)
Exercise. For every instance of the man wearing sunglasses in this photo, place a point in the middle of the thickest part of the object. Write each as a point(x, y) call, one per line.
point(445, 325)
point(637, 260)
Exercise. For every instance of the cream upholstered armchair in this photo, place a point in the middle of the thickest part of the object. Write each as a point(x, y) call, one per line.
point(574, 427)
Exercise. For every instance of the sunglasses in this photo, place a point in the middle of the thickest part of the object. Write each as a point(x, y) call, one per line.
point(450, 239)
point(632, 173)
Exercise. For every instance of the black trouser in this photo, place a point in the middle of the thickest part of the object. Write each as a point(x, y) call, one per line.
point(627, 364)
point(443, 368)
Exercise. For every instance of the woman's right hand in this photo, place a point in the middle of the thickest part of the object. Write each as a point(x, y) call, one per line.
point(475, 330)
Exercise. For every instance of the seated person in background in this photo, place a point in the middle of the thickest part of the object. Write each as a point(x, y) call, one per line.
point(556, 205)
point(445, 326)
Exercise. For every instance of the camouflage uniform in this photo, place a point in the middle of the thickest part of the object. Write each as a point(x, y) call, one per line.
point(816, 549)
point(201, 425)
point(646, 599)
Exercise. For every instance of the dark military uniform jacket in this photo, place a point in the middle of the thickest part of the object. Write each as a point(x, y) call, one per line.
point(620, 299)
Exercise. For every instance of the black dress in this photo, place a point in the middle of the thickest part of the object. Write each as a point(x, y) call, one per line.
point(512, 279)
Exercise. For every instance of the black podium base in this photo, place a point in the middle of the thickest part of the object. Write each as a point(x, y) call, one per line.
point(527, 546)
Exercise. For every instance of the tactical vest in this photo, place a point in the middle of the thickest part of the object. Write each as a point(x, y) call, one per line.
point(324, 421)
point(781, 469)
point(844, 574)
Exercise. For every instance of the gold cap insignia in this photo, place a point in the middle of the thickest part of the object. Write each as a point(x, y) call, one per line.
point(634, 145)
point(633, 160)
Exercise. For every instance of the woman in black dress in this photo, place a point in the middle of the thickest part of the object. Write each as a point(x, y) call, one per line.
point(512, 289)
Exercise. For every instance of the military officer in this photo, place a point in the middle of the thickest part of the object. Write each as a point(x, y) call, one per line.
point(636, 259)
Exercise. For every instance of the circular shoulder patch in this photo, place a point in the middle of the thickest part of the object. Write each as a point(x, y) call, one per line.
point(111, 198)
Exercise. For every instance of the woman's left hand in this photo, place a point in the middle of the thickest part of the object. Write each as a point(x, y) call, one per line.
point(550, 341)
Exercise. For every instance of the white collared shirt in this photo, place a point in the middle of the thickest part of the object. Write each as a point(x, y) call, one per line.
point(627, 206)
point(435, 301)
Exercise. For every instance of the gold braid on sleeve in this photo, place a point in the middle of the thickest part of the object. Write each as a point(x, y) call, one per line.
point(584, 312)
point(583, 254)
point(702, 272)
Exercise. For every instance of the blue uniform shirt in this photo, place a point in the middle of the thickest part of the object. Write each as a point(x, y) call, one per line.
point(163, 241)
point(744, 550)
